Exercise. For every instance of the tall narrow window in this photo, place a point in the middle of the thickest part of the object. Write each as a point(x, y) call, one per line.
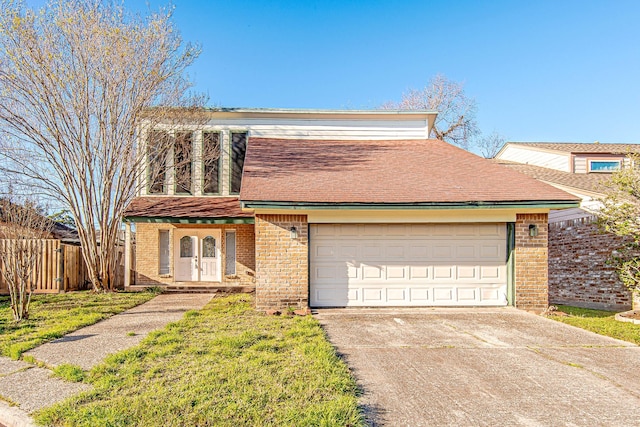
point(230, 253)
point(158, 145)
point(164, 252)
point(211, 162)
point(183, 162)
point(238, 151)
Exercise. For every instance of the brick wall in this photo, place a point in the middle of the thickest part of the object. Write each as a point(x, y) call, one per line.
point(531, 263)
point(281, 262)
point(147, 253)
point(578, 272)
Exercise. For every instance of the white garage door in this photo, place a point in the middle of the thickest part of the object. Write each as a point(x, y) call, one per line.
point(408, 265)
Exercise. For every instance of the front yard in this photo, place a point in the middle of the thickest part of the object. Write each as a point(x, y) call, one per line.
point(226, 365)
point(600, 322)
point(52, 316)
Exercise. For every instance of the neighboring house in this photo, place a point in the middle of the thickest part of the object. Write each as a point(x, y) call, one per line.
point(344, 208)
point(578, 251)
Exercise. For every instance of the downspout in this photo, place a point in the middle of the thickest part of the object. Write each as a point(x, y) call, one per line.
point(511, 255)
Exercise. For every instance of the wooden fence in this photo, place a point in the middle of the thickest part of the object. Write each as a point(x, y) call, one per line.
point(61, 268)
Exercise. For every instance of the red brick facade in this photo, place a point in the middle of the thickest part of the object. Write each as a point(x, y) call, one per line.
point(531, 263)
point(282, 263)
point(578, 271)
point(147, 254)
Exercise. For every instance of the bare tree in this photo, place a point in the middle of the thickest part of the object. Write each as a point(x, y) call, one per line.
point(456, 121)
point(21, 228)
point(489, 145)
point(82, 83)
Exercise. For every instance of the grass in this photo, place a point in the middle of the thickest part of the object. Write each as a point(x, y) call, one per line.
point(599, 321)
point(69, 372)
point(226, 365)
point(52, 316)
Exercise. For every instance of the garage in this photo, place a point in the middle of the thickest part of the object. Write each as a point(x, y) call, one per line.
point(461, 264)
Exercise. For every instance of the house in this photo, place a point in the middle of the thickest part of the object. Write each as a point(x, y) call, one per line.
point(342, 208)
point(578, 251)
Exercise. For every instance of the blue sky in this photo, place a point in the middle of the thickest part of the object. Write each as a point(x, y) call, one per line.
point(539, 70)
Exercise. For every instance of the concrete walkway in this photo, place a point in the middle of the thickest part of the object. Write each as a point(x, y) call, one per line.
point(31, 388)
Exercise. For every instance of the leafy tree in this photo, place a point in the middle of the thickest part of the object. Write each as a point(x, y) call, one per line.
point(620, 215)
point(80, 81)
point(456, 121)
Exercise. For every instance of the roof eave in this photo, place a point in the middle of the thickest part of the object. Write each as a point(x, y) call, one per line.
point(531, 204)
point(182, 220)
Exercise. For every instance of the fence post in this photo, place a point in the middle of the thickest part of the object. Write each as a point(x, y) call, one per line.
point(60, 278)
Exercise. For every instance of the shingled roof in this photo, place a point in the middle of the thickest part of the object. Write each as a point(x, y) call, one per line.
point(580, 147)
point(185, 207)
point(382, 172)
point(591, 182)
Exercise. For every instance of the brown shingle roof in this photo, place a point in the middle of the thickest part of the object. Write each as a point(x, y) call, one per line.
point(580, 147)
point(405, 171)
point(582, 181)
point(186, 207)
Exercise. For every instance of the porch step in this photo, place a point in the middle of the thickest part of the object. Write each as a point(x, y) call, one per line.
point(208, 289)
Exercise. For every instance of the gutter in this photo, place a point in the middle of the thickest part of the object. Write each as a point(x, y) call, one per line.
point(539, 204)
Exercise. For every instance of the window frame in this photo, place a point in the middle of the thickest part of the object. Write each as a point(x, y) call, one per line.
point(220, 164)
point(226, 252)
point(231, 132)
point(149, 181)
point(192, 169)
point(161, 271)
point(592, 161)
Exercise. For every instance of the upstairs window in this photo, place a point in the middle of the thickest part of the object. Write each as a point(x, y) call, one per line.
point(183, 162)
point(238, 151)
point(211, 162)
point(158, 145)
point(604, 165)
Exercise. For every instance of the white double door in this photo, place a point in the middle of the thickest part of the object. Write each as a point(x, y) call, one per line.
point(197, 255)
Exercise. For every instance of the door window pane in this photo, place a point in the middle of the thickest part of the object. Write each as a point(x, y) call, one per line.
point(230, 252)
point(186, 247)
point(208, 247)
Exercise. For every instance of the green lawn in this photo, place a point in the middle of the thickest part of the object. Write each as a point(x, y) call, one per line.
point(52, 316)
point(600, 322)
point(226, 365)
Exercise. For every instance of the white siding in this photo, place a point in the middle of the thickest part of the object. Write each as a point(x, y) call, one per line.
point(531, 156)
point(580, 164)
point(325, 129)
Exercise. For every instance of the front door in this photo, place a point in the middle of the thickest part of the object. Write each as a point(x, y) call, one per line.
point(197, 256)
point(187, 259)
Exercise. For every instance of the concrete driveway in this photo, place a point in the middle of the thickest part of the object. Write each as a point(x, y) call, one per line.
point(484, 367)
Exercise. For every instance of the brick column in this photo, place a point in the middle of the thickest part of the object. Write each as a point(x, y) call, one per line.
point(531, 269)
point(281, 262)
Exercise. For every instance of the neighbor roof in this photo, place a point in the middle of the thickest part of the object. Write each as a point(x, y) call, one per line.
point(591, 182)
point(579, 147)
point(381, 172)
point(185, 207)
